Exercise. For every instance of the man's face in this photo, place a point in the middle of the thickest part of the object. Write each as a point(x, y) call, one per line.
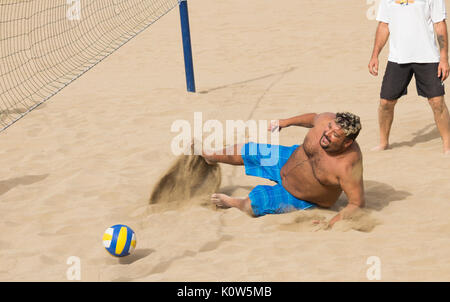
point(333, 139)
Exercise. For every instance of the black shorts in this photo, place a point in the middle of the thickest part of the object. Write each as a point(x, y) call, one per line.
point(397, 77)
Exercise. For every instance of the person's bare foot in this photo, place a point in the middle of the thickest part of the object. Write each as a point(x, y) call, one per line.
point(223, 201)
point(447, 153)
point(380, 148)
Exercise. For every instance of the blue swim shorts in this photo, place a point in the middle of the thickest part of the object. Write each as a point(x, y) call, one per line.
point(266, 161)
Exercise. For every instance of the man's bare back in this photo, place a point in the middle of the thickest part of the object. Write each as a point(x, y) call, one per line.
point(311, 173)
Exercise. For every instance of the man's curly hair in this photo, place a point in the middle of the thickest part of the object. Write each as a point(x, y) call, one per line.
point(350, 123)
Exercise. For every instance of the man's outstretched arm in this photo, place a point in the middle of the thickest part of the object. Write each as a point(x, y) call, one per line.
point(353, 186)
point(304, 120)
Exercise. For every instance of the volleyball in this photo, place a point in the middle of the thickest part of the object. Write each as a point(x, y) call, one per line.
point(119, 240)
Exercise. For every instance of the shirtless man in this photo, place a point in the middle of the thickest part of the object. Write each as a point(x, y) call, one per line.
point(315, 173)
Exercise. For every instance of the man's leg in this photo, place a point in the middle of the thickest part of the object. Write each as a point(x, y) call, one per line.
point(442, 119)
point(395, 84)
point(385, 119)
point(229, 155)
point(225, 201)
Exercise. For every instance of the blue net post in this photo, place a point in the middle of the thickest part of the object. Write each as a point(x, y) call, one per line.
point(187, 49)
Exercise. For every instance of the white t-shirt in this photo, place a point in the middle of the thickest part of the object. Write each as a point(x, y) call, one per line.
point(412, 38)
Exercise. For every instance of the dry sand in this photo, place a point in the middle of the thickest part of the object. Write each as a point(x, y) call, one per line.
point(89, 157)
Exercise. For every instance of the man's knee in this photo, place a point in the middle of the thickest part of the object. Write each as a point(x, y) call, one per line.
point(437, 104)
point(387, 105)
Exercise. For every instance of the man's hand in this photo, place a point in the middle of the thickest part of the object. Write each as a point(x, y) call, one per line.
point(321, 225)
point(373, 66)
point(305, 120)
point(277, 125)
point(443, 70)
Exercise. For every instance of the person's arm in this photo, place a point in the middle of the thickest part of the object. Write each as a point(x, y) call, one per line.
point(304, 120)
point(442, 37)
point(381, 38)
point(352, 184)
point(307, 120)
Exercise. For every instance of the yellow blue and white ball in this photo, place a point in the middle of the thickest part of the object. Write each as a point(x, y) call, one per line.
point(119, 240)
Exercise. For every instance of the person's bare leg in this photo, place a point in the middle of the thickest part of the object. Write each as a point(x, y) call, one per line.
point(442, 119)
point(230, 155)
point(385, 119)
point(225, 201)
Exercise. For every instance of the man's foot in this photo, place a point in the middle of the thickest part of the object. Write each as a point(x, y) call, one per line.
point(224, 201)
point(446, 149)
point(380, 148)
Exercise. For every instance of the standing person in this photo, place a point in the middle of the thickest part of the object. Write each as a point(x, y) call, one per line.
point(412, 27)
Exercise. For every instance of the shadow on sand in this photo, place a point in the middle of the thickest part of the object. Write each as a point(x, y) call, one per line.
point(282, 73)
point(137, 255)
point(6, 185)
point(378, 196)
point(426, 134)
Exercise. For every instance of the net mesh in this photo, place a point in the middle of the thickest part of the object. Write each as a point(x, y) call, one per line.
point(47, 44)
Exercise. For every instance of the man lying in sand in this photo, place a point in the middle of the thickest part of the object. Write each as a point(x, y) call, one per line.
point(315, 173)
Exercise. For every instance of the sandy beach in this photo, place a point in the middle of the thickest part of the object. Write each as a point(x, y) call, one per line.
point(90, 156)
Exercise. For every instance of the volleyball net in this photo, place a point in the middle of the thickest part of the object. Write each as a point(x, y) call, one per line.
point(47, 44)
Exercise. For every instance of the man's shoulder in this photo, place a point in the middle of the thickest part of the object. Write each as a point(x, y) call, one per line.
point(324, 117)
point(353, 158)
point(354, 154)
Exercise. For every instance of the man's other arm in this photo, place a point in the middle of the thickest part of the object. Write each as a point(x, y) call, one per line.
point(381, 38)
point(442, 36)
point(353, 186)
